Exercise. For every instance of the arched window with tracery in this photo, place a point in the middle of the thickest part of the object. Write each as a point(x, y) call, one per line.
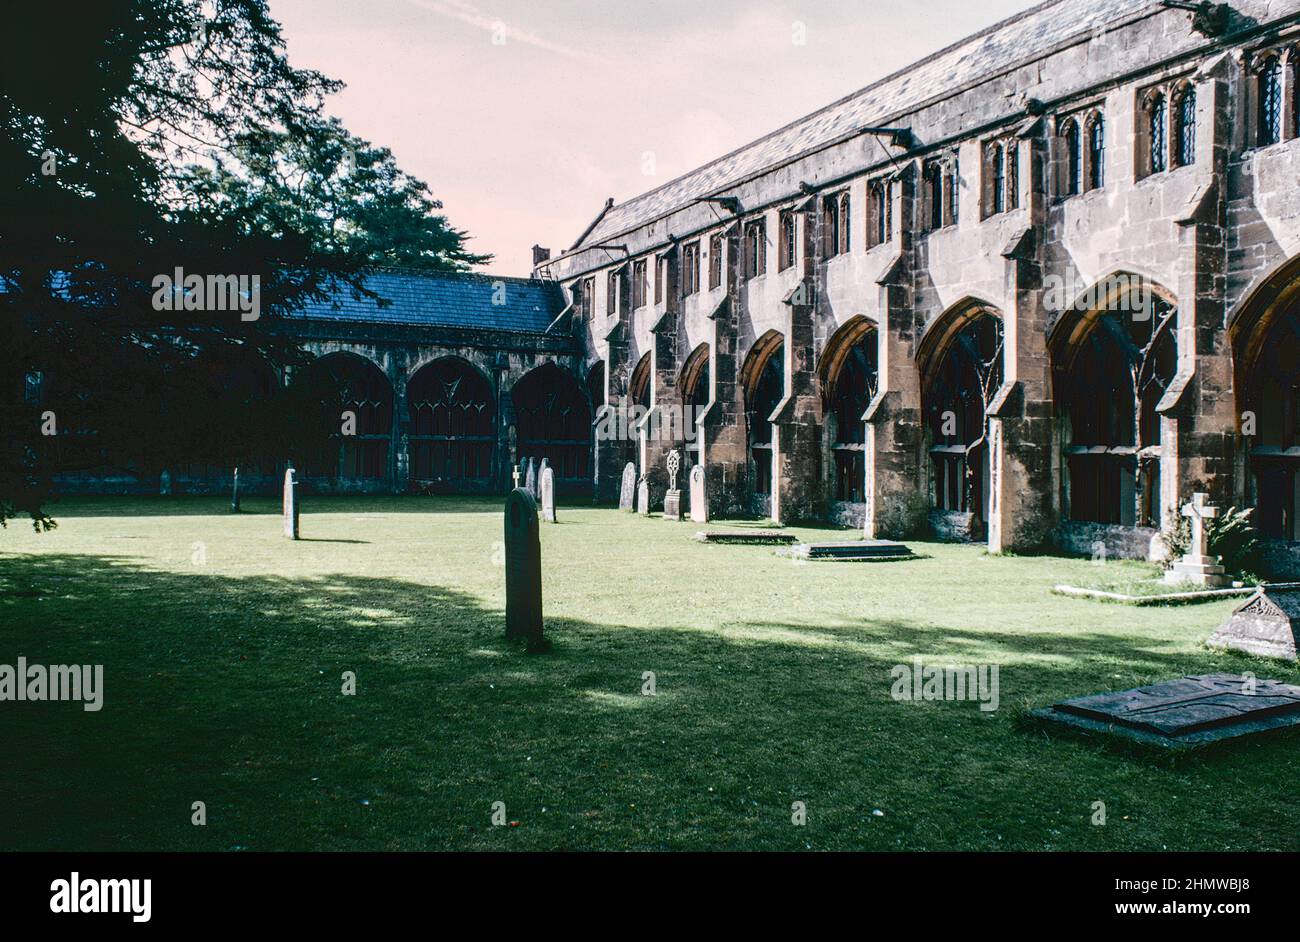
point(1157, 121)
point(851, 379)
point(453, 430)
point(553, 421)
point(1096, 152)
point(1185, 149)
point(1111, 373)
point(764, 376)
point(695, 391)
point(355, 403)
point(1269, 93)
point(1073, 143)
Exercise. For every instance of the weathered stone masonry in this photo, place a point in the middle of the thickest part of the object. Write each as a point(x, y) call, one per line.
point(1073, 238)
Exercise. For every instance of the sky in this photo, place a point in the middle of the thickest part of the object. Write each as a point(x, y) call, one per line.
point(523, 117)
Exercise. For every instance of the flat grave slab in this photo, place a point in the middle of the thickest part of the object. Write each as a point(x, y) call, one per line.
point(1266, 624)
point(1184, 713)
point(758, 537)
point(854, 551)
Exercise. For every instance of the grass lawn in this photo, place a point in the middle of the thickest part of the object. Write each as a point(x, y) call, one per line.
point(223, 677)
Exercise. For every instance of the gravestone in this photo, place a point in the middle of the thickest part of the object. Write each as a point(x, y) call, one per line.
point(852, 551)
point(699, 498)
point(1266, 624)
point(234, 493)
point(627, 493)
point(749, 537)
point(289, 506)
point(673, 497)
point(541, 472)
point(643, 497)
point(548, 494)
point(1184, 713)
point(523, 570)
point(165, 484)
point(1197, 566)
point(530, 479)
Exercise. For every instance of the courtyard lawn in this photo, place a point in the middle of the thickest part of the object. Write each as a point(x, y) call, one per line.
point(223, 647)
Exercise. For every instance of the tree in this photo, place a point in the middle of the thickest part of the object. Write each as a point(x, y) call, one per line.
point(145, 136)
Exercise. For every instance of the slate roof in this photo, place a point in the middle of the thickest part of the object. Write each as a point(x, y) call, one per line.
point(451, 299)
point(987, 53)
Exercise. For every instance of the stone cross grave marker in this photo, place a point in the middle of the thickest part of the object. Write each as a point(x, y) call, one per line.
point(699, 498)
point(530, 479)
point(673, 499)
point(1197, 566)
point(289, 507)
point(627, 492)
point(548, 494)
point(234, 492)
point(523, 570)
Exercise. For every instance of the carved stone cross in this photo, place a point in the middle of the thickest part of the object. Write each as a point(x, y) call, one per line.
point(1198, 511)
point(674, 465)
point(515, 474)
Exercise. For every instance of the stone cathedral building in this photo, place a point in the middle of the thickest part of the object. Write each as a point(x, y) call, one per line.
point(1035, 289)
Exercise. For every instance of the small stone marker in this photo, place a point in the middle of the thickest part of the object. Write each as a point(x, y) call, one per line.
point(548, 494)
point(1197, 566)
point(289, 506)
point(1184, 713)
point(1266, 624)
point(530, 479)
point(514, 474)
point(165, 484)
point(643, 497)
point(699, 499)
point(541, 470)
point(673, 497)
point(523, 570)
point(234, 493)
point(627, 492)
point(759, 537)
point(853, 551)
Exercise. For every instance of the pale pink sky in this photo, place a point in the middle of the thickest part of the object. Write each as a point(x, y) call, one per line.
point(524, 116)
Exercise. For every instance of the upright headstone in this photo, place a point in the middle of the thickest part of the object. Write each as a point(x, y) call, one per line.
point(234, 493)
point(699, 498)
point(523, 570)
point(530, 479)
point(541, 470)
point(1198, 566)
point(627, 493)
point(165, 483)
point(673, 497)
point(643, 497)
point(289, 507)
point(548, 494)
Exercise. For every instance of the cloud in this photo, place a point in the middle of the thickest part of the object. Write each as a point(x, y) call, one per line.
point(469, 14)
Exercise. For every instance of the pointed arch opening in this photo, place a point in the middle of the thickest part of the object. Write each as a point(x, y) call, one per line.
point(696, 391)
point(351, 400)
point(763, 378)
point(453, 426)
point(848, 375)
point(553, 421)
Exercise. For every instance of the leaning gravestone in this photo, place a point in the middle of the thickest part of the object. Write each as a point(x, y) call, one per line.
point(1184, 713)
point(234, 493)
point(643, 497)
point(627, 493)
point(523, 570)
point(1266, 624)
point(699, 499)
point(673, 498)
point(530, 479)
point(548, 494)
point(541, 472)
point(289, 506)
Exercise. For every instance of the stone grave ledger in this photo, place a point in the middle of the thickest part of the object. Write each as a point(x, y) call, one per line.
point(1267, 624)
point(523, 569)
point(748, 537)
point(1187, 712)
point(548, 494)
point(627, 490)
point(289, 505)
point(858, 551)
point(699, 497)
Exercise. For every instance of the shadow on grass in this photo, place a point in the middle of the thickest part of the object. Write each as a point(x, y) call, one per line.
point(229, 691)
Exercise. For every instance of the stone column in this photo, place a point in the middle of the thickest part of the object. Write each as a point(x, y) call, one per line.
point(724, 431)
point(614, 451)
point(664, 394)
point(1021, 414)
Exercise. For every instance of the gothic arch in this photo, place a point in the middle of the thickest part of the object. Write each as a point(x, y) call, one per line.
point(553, 421)
point(696, 392)
point(638, 385)
point(848, 375)
point(452, 435)
point(338, 382)
point(1264, 330)
point(763, 380)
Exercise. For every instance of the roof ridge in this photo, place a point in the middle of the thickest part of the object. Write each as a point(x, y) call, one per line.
point(453, 275)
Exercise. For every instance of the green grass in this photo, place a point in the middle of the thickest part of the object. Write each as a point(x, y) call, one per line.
point(223, 686)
